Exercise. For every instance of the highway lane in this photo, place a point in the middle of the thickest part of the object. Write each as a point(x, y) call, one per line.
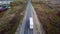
point(29, 10)
point(24, 29)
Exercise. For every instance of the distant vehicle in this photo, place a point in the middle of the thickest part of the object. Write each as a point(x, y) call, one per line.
point(31, 22)
point(4, 7)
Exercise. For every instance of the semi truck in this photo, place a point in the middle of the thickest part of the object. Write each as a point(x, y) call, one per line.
point(31, 22)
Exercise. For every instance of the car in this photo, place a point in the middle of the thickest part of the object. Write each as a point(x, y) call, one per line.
point(31, 22)
point(3, 7)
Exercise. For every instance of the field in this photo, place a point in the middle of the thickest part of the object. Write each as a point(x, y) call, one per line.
point(48, 17)
point(11, 18)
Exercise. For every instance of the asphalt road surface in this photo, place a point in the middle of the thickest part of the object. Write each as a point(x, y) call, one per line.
point(27, 29)
point(26, 25)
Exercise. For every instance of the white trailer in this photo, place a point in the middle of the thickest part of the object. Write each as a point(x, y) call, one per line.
point(31, 22)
